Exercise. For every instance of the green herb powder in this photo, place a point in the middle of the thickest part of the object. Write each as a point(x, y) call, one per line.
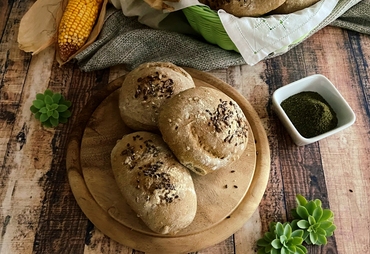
point(310, 113)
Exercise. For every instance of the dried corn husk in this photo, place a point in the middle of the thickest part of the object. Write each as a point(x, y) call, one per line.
point(39, 27)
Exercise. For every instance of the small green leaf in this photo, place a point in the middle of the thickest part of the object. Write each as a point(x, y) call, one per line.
point(48, 99)
point(47, 124)
point(310, 206)
point(313, 237)
point(38, 115)
point(321, 231)
point(326, 215)
point(301, 200)
point(296, 240)
point(56, 97)
point(55, 114)
point(303, 224)
point(49, 113)
point(54, 106)
point(317, 213)
point(301, 249)
point(302, 212)
point(40, 96)
point(298, 233)
point(34, 109)
point(48, 92)
point(311, 220)
point(43, 110)
point(279, 229)
point(44, 117)
point(276, 244)
point(330, 230)
point(291, 249)
point(38, 103)
point(326, 224)
point(54, 122)
point(262, 242)
point(321, 240)
point(62, 108)
point(287, 230)
point(318, 202)
point(284, 250)
point(274, 251)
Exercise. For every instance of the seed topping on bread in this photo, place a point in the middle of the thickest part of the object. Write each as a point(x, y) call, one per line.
point(154, 85)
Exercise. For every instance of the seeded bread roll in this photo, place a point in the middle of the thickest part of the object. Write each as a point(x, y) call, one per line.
point(204, 128)
point(294, 5)
point(244, 8)
point(146, 88)
point(155, 185)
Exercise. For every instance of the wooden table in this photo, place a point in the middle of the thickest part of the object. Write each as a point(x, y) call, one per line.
point(39, 214)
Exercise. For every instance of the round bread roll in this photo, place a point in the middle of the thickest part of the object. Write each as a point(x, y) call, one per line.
point(155, 185)
point(204, 128)
point(244, 8)
point(146, 88)
point(293, 5)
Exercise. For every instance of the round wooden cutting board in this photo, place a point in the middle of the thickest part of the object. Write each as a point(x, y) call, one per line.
point(226, 198)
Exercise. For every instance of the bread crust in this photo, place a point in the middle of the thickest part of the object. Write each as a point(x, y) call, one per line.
point(145, 89)
point(293, 5)
point(204, 128)
point(244, 8)
point(155, 185)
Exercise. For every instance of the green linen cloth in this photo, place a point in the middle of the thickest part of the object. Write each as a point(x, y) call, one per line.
point(123, 40)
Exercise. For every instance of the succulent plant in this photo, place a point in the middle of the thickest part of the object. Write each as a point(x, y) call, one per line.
point(316, 222)
point(281, 239)
point(51, 108)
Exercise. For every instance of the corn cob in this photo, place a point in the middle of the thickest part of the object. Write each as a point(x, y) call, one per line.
point(75, 26)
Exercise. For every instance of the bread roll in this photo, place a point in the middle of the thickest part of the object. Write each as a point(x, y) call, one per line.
point(294, 5)
point(204, 128)
point(146, 88)
point(155, 185)
point(244, 8)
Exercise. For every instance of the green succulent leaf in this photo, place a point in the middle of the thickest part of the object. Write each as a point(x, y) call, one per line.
point(297, 240)
point(301, 249)
point(44, 117)
point(303, 224)
point(38, 103)
point(40, 96)
point(43, 110)
point(287, 231)
point(38, 115)
point(279, 229)
point(65, 114)
point(62, 108)
point(317, 213)
point(54, 106)
point(262, 242)
point(47, 124)
point(274, 251)
point(310, 206)
point(313, 237)
point(54, 122)
point(34, 109)
point(302, 212)
point(318, 202)
point(56, 97)
point(49, 113)
point(326, 224)
point(301, 200)
point(276, 244)
point(55, 114)
point(298, 233)
point(326, 215)
point(48, 99)
point(321, 240)
point(48, 92)
point(330, 230)
point(311, 220)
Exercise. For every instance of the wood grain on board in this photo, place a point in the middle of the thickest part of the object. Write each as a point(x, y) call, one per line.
point(39, 213)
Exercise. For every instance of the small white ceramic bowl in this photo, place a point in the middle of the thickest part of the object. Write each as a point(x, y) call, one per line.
point(320, 84)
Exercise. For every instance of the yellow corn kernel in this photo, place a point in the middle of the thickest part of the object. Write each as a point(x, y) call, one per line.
point(76, 24)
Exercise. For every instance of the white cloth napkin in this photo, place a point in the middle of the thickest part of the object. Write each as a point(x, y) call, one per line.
point(257, 38)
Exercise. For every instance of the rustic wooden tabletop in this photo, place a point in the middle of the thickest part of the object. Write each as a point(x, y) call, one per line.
point(39, 213)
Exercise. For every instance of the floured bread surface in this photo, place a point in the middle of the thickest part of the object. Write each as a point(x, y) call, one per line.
point(294, 5)
point(155, 185)
point(146, 88)
point(204, 128)
point(244, 8)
